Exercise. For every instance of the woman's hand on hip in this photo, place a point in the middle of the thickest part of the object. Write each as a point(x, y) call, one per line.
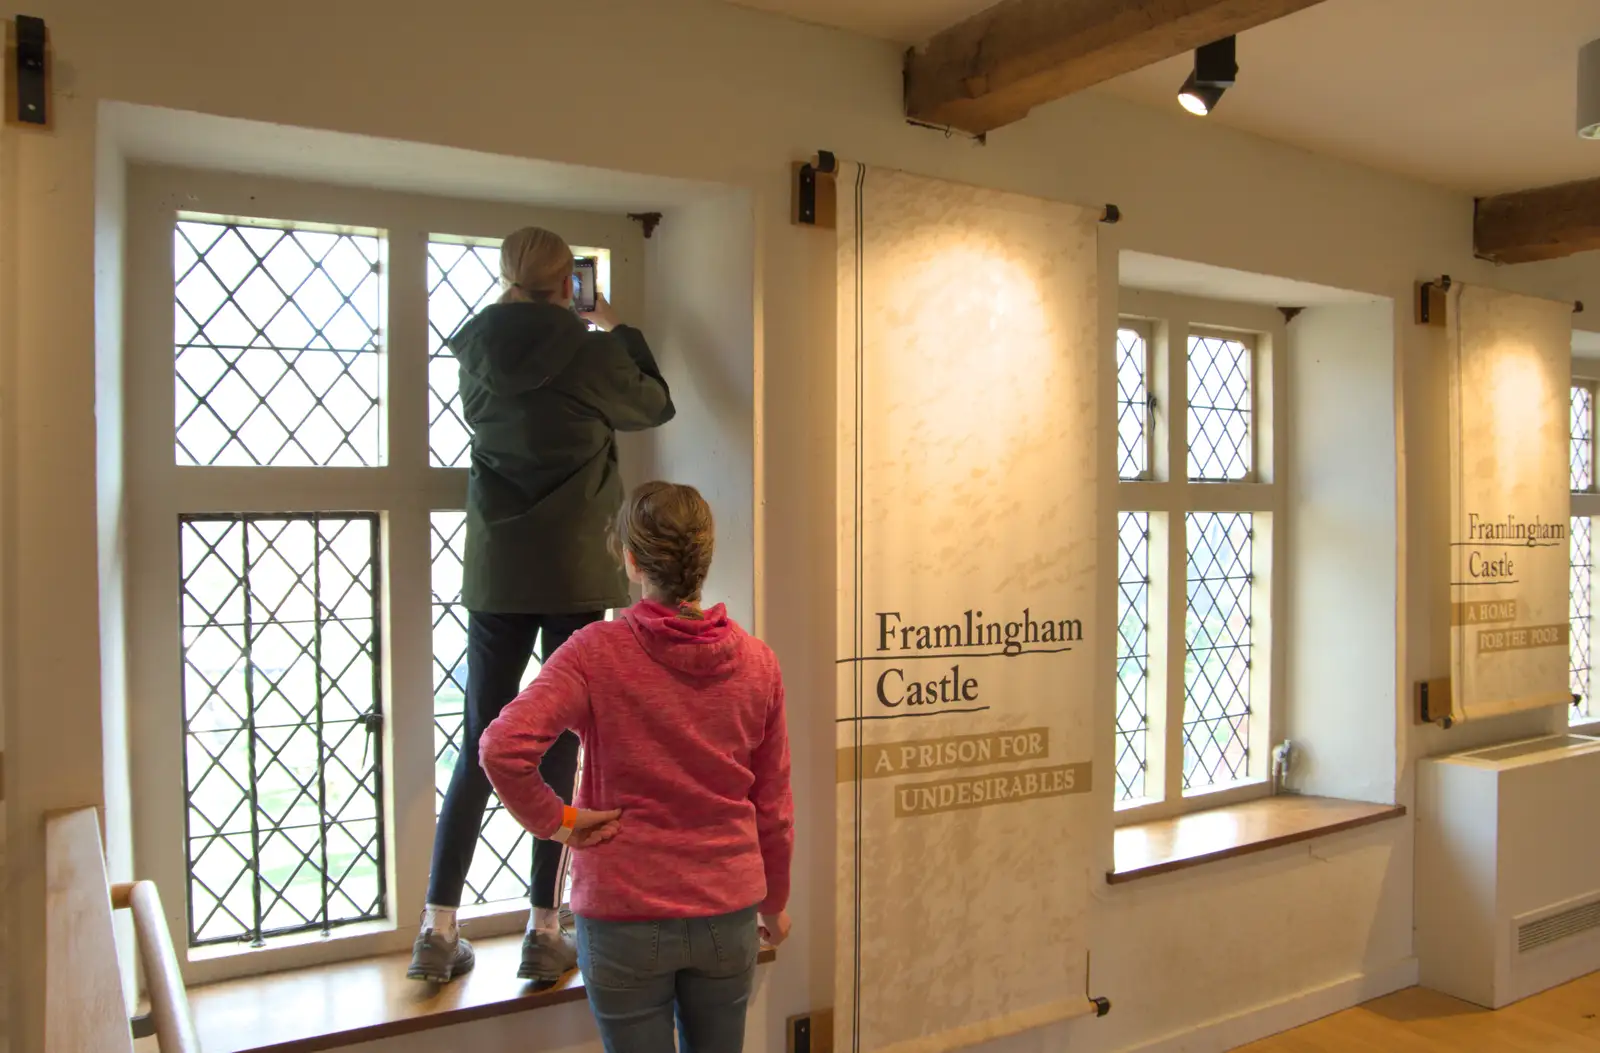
point(775, 928)
point(594, 828)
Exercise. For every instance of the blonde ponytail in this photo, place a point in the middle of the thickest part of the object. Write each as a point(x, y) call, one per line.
point(534, 263)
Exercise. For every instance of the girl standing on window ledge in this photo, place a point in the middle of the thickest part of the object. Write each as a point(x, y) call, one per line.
point(544, 397)
point(685, 817)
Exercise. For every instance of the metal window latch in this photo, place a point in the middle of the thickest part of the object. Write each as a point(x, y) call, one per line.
point(32, 71)
point(372, 720)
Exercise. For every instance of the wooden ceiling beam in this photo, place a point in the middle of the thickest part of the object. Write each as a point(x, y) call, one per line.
point(1543, 224)
point(991, 69)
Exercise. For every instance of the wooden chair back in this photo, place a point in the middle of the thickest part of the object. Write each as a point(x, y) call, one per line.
point(84, 1004)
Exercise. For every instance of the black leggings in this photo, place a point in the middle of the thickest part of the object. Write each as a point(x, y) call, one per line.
point(498, 649)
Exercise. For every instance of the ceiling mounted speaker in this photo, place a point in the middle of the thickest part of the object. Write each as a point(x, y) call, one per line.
point(1589, 91)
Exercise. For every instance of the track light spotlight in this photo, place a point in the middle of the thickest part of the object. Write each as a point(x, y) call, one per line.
point(1197, 100)
point(1215, 70)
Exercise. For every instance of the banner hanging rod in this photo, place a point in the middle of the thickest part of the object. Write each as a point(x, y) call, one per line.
point(815, 197)
point(1444, 281)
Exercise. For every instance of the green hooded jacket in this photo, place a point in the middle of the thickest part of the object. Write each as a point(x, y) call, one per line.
point(544, 397)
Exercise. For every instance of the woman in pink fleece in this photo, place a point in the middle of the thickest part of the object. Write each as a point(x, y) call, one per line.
point(684, 817)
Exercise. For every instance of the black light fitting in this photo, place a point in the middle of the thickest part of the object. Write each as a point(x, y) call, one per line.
point(1216, 67)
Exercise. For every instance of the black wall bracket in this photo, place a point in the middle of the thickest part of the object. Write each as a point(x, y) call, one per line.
point(1111, 214)
point(1430, 310)
point(648, 220)
point(815, 197)
point(32, 72)
point(808, 194)
point(1431, 710)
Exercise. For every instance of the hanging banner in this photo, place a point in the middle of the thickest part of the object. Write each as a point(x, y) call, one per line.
point(1510, 379)
point(968, 383)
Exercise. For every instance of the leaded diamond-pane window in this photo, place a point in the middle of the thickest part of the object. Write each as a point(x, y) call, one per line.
point(282, 710)
point(503, 862)
point(277, 343)
point(1133, 405)
point(462, 280)
point(1216, 714)
point(1582, 439)
point(1133, 652)
point(1582, 584)
point(1220, 409)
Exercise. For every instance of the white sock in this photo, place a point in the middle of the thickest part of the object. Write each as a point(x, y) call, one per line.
point(546, 918)
point(440, 919)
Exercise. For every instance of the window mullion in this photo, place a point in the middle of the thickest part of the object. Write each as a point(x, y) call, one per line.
point(1232, 497)
point(1176, 562)
point(405, 359)
point(409, 645)
point(1177, 578)
point(1153, 402)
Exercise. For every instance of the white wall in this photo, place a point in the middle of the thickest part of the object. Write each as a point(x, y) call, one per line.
point(111, 494)
point(696, 89)
point(700, 278)
point(1343, 526)
point(49, 620)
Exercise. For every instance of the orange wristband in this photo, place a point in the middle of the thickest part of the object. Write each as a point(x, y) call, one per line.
point(569, 821)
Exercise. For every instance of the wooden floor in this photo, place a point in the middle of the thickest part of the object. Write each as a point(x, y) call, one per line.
point(1564, 1020)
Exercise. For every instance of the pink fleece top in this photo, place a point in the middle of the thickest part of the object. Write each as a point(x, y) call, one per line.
point(683, 729)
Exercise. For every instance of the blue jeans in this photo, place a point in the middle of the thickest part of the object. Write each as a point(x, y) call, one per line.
point(640, 975)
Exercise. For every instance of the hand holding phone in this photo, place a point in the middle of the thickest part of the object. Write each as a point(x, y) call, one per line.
point(603, 317)
point(585, 289)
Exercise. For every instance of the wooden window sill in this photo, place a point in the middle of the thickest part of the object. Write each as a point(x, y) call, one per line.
point(331, 1006)
point(1145, 850)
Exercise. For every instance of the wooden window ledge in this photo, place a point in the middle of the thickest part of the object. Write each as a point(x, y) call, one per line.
point(1146, 849)
point(331, 1006)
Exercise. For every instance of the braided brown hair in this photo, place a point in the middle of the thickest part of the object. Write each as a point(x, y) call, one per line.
point(668, 529)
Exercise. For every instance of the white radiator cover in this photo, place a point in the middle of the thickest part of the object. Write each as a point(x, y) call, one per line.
point(1508, 868)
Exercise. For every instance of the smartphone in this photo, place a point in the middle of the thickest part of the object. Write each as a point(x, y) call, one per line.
point(584, 288)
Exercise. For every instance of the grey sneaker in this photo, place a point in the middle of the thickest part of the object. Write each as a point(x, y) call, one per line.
point(438, 960)
point(547, 957)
